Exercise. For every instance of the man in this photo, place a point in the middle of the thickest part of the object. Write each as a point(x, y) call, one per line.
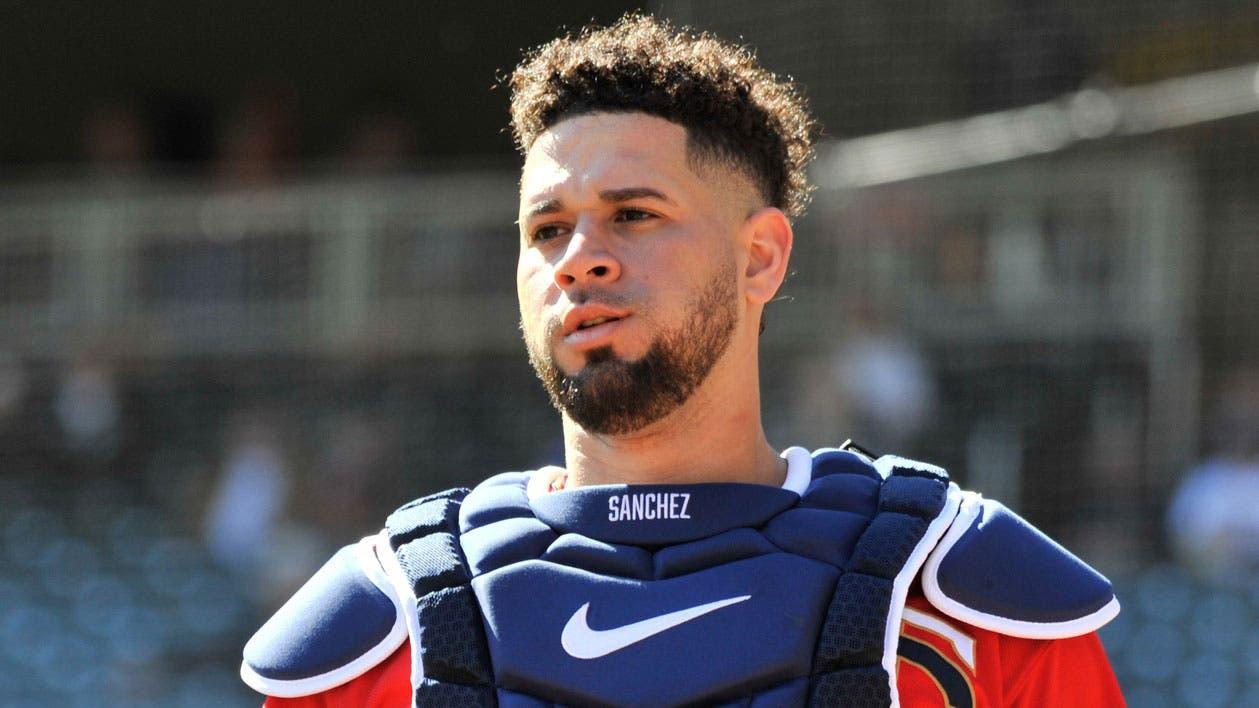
point(678, 558)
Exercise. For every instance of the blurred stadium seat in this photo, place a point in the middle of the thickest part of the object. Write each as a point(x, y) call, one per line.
point(1182, 641)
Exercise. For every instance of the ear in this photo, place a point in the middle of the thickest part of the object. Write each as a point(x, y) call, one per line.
point(768, 239)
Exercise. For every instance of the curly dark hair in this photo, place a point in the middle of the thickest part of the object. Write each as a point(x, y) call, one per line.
point(733, 110)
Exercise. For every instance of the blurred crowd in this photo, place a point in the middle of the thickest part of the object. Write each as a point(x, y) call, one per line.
point(256, 142)
point(1213, 518)
point(268, 490)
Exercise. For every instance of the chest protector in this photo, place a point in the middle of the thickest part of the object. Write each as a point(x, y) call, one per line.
point(705, 594)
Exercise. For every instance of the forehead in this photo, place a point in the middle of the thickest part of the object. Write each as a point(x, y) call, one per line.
point(600, 150)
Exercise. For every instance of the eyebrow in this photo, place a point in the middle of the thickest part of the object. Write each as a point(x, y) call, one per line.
point(612, 196)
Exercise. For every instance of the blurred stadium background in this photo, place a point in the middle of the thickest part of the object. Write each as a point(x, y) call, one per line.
point(256, 290)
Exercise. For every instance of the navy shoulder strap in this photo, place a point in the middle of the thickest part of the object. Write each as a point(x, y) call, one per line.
point(996, 571)
point(342, 622)
point(855, 658)
point(451, 664)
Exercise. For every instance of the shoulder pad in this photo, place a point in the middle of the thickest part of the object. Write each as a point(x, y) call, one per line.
point(342, 622)
point(996, 571)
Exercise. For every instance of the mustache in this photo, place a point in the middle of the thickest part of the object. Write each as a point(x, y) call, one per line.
point(601, 296)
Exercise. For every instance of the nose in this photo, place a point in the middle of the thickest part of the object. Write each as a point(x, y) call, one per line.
point(586, 261)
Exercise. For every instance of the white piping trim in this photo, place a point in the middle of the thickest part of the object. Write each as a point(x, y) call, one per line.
point(389, 561)
point(887, 463)
point(799, 469)
point(331, 679)
point(971, 507)
point(905, 578)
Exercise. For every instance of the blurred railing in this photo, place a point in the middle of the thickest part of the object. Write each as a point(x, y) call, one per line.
point(169, 270)
point(1079, 245)
point(1057, 248)
point(1087, 255)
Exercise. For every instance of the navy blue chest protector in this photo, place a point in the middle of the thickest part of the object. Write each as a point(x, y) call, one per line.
point(709, 594)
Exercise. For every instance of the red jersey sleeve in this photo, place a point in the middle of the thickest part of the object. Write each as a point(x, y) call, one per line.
point(386, 685)
point(1063, 672)
point(945, 662)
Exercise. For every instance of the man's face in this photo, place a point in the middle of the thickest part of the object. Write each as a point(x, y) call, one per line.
point(628, 268)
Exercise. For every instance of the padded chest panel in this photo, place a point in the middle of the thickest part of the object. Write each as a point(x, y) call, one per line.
point(760, 641)
point(614, 559)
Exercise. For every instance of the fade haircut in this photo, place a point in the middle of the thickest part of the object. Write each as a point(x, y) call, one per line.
point(735, 112)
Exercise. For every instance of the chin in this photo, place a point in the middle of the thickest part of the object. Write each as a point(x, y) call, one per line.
point(597, 356)
point(602, 355)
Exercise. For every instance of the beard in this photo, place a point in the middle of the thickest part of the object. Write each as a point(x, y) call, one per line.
point(611, 396)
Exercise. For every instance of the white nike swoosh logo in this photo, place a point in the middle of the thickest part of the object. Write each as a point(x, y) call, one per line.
point(582, 642)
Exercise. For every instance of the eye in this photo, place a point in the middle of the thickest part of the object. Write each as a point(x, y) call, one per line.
point(546, 232)
point(633, 215)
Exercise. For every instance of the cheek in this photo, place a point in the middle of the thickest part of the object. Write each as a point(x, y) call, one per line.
point(522, 289)
point(533, 291)
point(529, 267)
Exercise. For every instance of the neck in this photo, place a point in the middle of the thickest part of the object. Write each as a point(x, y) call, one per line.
point(716, 436)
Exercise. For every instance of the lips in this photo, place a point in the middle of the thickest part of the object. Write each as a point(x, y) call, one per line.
point(589, 326)
point(595, 322)
point(586, 317)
